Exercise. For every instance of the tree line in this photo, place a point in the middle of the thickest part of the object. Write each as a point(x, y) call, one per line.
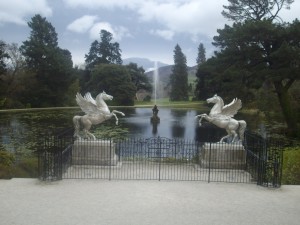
point(41, 74)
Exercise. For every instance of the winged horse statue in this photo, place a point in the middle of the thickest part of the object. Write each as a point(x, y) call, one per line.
point(222, 116)
point(96, 112)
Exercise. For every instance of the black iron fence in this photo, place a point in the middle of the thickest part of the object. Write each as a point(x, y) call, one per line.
point(257, 160)
point(264, 159)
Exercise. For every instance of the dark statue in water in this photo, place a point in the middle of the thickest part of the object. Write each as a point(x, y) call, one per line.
point(155, 118)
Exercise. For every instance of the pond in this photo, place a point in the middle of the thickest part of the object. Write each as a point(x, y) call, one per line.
point(22, 132)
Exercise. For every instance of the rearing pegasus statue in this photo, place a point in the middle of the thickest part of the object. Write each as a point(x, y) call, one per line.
point(96, 111)
point(222, 116)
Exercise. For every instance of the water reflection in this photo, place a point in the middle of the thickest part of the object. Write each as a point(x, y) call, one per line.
point(174, 123)
point(26, 129)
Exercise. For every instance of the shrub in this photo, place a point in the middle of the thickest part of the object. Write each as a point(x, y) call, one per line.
point(291, 166)
point(6, 164)
point(26, 168)
point(147, 98)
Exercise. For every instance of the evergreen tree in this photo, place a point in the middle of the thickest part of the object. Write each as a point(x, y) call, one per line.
point(103, 52)
point(256, 53)
point(51, 65)
point(200, 86)
point(253, 55)
point(179, 77)
point(201, 58)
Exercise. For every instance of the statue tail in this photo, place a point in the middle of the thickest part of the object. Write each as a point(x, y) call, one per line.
point(76, 121)
point(242, 128)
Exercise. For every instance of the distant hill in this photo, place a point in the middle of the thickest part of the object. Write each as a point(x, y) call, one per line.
point(147, 64)
point(164, 78)
point(165, 72)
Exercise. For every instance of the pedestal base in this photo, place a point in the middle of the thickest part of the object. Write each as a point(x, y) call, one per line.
point(223, 156)
point(99, 152)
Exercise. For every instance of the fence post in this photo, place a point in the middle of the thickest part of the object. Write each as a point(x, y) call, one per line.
point(209, 160)
point(159, 162)
point(110, 146)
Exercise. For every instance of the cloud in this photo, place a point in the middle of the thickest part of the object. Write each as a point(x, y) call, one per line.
point(118, 32)
point(195, 17)
point(166, 34)
point(289, 15)
point(111, 4)
point(16, 11)
point(97, 27)
point(82, 24)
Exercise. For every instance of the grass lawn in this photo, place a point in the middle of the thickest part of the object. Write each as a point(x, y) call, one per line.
point(164, 102)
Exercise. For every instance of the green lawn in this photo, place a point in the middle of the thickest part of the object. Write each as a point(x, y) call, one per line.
point(164, 102)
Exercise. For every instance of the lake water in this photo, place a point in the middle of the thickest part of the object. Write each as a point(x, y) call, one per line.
point(24, 131)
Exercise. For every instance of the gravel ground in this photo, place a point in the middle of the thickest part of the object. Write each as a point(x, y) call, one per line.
point(102, 202)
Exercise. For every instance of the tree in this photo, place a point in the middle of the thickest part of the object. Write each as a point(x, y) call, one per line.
point(138, 77)
point(255, 52)
point(3, 57)
point(3, 69)
point(51, 65)
point(179, 77)
point(201, 58)
point(261, 51)
point(115, 80)
point(241, 10)
point(103, 52)
point(200, 87)
point(14, 76)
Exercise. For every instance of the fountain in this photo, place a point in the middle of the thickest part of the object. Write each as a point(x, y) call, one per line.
point(155, 118)
point(155, 81)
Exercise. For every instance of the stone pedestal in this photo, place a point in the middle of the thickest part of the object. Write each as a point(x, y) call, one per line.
point(223, 156)
point(98, 152)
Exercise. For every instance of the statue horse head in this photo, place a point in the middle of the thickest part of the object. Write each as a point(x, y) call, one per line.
point(219, 103)
point(100, 101)
point(104, 96)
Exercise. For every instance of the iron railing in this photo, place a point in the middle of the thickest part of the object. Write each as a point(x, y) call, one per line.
point(264, 159)
point(256, 161)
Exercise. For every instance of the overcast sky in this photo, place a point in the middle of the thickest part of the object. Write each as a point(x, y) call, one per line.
point(143, 28)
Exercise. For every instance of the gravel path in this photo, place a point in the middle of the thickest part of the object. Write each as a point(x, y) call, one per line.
point(102, 202)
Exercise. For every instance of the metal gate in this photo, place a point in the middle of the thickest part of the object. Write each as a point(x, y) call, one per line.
point(160, 158)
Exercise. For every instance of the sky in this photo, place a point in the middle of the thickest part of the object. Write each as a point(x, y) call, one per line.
point(143, 28)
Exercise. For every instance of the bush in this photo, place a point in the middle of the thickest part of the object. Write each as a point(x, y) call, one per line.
point(26, 168)
point(6, 165)
point(291, 166)
point(147, 98)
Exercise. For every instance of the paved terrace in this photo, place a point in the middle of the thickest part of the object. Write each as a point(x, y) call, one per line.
point(103, 202)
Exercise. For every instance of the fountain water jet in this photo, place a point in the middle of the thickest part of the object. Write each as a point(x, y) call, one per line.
point(155, 81)
point(155, 118)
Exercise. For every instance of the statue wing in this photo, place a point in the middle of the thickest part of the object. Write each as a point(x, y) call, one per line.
point(232, 108)
point(87, 103)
